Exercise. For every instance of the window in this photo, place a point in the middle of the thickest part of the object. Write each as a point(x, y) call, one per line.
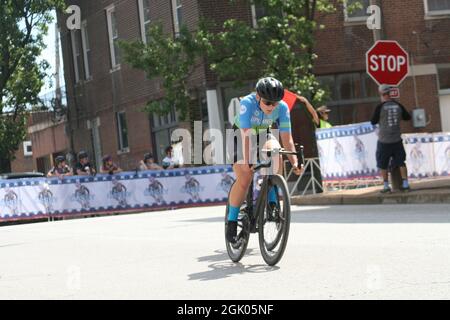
point(258, 12)
point(27, 149)
point(86, 50)
point(144, 15)
point(76, 54)
point(444, 77)
point(437, 7)
point(122, 131)
point(177, 15)
point(356, 14)
point(348, 86)
point(113, 37)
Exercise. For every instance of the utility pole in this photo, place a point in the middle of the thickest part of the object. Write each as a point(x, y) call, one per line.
point(378, 34)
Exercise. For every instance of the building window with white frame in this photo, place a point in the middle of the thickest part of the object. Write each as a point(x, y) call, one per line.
point(258, 12)
point(86, 50)
point(27, 149)
point(356, 14)
point(144, 16)
point(444, 76)
point(437, 7)
point(76, 54)
point(122, 131)
point(177, 8)
point(113, 37)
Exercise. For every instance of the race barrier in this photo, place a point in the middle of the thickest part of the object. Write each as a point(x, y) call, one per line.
point(348, 152)
point(25, 199)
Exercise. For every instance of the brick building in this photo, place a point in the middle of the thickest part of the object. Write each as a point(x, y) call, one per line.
point(105, 95)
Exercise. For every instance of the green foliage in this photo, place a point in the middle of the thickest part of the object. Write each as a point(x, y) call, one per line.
point(281, 46)
point(172, 60)
point(23, 24)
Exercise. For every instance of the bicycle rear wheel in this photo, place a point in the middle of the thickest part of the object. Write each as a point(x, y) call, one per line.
point(237, 250)
point(273, 225)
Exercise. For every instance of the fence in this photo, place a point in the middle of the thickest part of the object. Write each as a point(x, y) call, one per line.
point(106, 194)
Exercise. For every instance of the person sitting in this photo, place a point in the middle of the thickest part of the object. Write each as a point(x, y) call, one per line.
point(169, 162)
point(108, 167)
point(84, 167)
point(149, 163)
point(61, 169)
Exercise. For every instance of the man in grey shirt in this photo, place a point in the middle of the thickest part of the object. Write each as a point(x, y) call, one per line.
point(388, 115)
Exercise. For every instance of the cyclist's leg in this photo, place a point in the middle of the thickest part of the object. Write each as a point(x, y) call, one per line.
point(238, 193)
point(276, 167)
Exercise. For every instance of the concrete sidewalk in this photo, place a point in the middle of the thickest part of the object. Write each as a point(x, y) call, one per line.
point(433, 190)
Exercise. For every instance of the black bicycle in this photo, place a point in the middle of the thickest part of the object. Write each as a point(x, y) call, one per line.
point(270, 220)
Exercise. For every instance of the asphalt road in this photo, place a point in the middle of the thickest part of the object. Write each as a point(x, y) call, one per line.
point(337, 252)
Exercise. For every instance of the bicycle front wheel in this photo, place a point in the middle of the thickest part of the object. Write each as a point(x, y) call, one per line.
point(237, 250)
point(274, 221)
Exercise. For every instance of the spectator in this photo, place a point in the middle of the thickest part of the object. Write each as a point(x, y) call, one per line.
point(108, 166)
point(319, 116)
point(61, 169)
point(169, 162)
point(390, 145)
point(149, 163)
point(84, 167)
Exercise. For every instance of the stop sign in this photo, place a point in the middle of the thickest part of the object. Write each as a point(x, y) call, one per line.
point(387, 63)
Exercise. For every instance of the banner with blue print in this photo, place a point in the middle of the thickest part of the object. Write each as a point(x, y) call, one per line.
point(347, 151)
point(128, 191)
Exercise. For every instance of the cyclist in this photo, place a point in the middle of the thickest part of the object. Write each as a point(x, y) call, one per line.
point(258, 111)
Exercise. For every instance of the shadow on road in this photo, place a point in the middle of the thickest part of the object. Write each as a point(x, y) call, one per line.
point(223, 267)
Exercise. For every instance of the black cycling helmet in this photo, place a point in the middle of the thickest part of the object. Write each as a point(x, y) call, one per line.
point(59, 159)
point(270, 89)
point(82, 155)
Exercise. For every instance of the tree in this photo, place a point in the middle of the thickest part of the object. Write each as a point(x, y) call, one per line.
point(23, 24)
point(173, 60)
point(281, 45)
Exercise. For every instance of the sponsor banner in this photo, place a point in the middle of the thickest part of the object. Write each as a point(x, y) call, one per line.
point(348, 152)
point(419, 155)
point(39, 198)
point(441, 148)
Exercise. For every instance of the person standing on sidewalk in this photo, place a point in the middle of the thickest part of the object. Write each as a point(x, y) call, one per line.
point(388, 115)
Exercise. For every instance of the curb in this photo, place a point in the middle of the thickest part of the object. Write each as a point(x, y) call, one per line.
point(414, 197)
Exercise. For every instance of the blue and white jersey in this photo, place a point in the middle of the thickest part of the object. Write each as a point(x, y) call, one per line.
point(252, 117)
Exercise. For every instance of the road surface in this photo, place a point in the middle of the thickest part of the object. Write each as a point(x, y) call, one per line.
point(337, 252)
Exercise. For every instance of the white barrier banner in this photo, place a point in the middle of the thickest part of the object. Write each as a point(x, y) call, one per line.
point(419, 154)
point(441, 143)
point(128, 191)
point(347, 151)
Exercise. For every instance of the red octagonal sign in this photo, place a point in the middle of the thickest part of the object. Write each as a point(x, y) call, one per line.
point(387, 63)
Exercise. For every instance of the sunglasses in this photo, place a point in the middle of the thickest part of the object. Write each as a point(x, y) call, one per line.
point(270, 103)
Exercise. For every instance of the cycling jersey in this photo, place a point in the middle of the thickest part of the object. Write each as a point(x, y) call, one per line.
point(252, 117)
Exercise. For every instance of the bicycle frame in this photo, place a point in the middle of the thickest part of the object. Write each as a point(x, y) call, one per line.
point(262, 199)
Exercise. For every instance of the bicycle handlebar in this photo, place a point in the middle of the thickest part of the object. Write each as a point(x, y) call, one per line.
point(281, 151)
